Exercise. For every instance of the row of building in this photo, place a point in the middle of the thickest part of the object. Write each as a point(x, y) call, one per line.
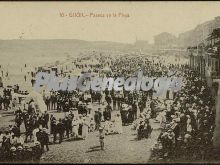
point(203, 49)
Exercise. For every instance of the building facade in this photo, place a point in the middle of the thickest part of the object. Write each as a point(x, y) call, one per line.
point(205, 58)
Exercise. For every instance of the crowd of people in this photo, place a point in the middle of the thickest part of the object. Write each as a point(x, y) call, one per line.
point(187, 123)
point(186, 117)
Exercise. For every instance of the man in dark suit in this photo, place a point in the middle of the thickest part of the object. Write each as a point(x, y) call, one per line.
point(97, 118)
point(59, 130)
point(107, 113)
point(46, 119)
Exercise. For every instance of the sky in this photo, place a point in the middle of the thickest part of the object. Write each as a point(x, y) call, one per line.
point(42, 20)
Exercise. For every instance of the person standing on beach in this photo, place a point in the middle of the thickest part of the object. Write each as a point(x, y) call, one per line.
point(101, 137)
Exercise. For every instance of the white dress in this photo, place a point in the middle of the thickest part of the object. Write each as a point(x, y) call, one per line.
point(85, 129)
point(34, 134)
point(75, 124)
point(20, 140)
point(189, 126)
point(118, 125)
point(103, 98)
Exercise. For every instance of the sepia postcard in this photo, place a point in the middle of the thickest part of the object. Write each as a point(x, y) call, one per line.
point(109, 82)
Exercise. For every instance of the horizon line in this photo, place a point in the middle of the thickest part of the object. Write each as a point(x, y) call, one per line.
point(23, 39)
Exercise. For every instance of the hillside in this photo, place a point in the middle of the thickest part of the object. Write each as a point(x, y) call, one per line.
point(54, 48)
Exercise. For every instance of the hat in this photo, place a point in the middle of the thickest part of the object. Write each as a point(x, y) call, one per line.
point(169, 130)
point(100, 128)
point(187, 136)
point(37, 143)
point(26, 146)
point(13, 149)
point(19, 148)
point(177, 119)
point(124, 105)
point(179, 138)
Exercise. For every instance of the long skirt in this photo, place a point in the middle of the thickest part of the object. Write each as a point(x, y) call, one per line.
point(34, 134)
point(76, 130)
point(118, 127)
point(85, 131)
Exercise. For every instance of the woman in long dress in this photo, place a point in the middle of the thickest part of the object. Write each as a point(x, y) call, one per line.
point(188, 124)
point(103, 98)
point(75, 124)
point(118, 124)
point(35, 134)
point(85, 128)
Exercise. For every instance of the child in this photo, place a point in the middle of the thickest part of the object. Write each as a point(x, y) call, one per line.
point(101, 137)
point(111, 128)
point(107, 125)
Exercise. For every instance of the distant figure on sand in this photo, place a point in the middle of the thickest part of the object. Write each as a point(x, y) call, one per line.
point(101, 137)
